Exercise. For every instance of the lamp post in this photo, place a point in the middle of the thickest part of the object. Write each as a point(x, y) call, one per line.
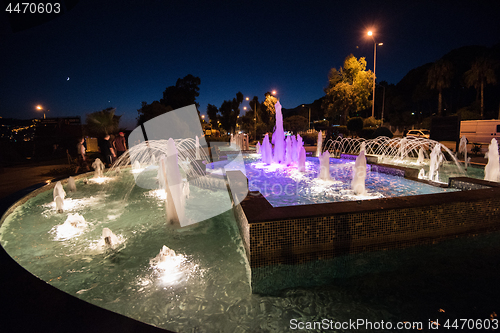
point(303, 105)
point(383, 105)
point(370, 33)
point(255, 116)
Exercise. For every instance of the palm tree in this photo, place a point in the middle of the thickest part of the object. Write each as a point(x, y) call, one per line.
point(102, 122)
point(482, 72)
point(439, 78)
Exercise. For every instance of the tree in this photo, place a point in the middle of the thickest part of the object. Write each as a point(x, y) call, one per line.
point(295, 123)
point(439, 77)
point(212, 111)
point(150, 111)
point(270, 102)
point(101, 123)
point(482, 72)
point(184, 93)
point(230, 110)
point(247, 123)
point(348, 89)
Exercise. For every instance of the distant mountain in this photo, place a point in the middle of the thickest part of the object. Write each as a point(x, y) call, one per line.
point(412, 94)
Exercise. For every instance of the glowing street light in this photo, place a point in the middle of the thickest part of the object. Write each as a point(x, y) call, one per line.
point(370, 33)
point(274, 92)
point(39, 108)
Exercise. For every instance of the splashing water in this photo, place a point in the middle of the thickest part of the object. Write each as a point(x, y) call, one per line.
point(71, 184)
point(324, 166)
point(359, 174)
point(98, 167)
point(462, 149)
point(491, 170)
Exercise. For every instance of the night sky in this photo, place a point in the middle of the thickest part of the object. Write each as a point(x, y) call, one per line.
point(117, 54)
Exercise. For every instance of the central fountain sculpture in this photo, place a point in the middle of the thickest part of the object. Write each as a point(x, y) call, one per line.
point(286, 151)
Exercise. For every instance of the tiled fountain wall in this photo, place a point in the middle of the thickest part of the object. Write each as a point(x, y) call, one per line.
point(294, 235)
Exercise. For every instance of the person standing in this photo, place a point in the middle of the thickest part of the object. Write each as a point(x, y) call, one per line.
point(107, 151)
point(82, 159)
point(120, 144)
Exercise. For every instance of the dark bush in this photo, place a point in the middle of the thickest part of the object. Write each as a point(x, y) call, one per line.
point(382, 131)
point(309, 138)
point(366, 133)
point(355, 125)
point(224, 138)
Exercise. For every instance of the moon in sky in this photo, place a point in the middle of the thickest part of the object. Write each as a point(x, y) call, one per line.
point(67, 79)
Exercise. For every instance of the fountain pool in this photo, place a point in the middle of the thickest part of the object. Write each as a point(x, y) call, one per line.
point(208, 290)
point(287, 186)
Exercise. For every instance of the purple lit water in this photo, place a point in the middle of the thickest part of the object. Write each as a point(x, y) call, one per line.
point(286, 186)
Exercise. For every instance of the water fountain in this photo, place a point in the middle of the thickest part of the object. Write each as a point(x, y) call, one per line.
point(98, 167)
point(267, 150)
point(71, 184)
point(59, 194)
point(59, 191)
point(198, 156)
point(239, 141)
point(414, 152)
point(302, 160)
point(421, 156)
point(462, 149)
point(319, 144)
point(491, 170)
point(324, 166)
point(202, 279)
point(110, 240)
point(435, 162)
point(73, 226)
point(59, 204)
point(359, 174)
point(173, 186)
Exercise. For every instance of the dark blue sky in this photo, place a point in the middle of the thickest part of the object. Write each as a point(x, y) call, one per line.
point(120, 53)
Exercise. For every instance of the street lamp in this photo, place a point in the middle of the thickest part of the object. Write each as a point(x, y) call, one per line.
point(39, 107)
point(370, 33)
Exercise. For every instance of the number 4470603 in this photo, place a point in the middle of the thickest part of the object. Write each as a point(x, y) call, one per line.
point(33, 8)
